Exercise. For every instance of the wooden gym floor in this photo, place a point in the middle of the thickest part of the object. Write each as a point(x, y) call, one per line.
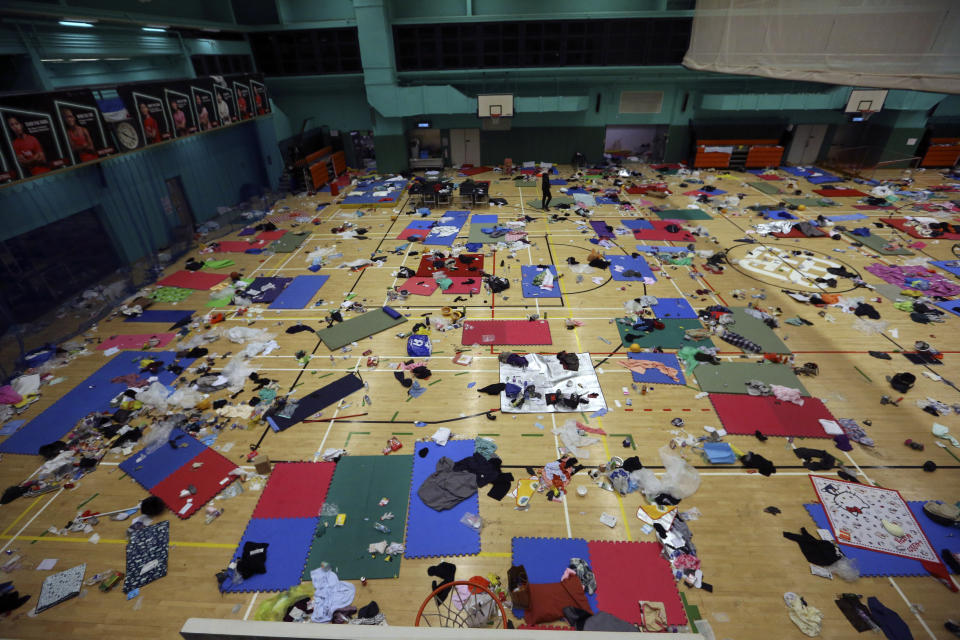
point(743, 553)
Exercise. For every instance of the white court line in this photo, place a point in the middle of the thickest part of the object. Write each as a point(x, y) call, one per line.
point(566, 510)
point(30, 521)
point(253, 599)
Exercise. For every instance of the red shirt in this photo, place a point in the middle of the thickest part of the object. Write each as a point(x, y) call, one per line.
point(29, 147)
point(151, 129)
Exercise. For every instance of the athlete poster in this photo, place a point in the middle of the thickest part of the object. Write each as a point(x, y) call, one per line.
point(30, 135)
point(258, 91)
point(204, 104)
point(241, 91)
point(150, 112)
point(81, 126)
point(7, 171)
point(226, 104)
point(180, 108)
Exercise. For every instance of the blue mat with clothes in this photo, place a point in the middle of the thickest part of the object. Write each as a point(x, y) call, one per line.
point(606, 200)
point(673, 308)
point(619, 265)
point(433, 533)
point(394, 191)
point(530, 271)
point(778, 214)
point(574, 190)
point(484, 218)
point(449, 219)
point(545, 559)
point(846, 216)
point(557, 182)
point(950, 266)
point(647, 248)
point(823, 179)
point(876, 563)
point(953, 306)
point(164, 316)
point(150, 469)
point(652, 376)
point(637, 224)
point(289, 544)
point(800, 172)
point(92, 394)
point(299, 293)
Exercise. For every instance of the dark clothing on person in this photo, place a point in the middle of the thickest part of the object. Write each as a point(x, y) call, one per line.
point(545, 189)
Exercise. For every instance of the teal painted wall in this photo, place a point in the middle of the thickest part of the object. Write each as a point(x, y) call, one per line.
point(127, 190)
point(541, 144)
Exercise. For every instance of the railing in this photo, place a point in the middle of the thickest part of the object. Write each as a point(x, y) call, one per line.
point(864, 161)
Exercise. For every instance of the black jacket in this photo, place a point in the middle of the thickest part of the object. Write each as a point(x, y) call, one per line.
point(545, 183)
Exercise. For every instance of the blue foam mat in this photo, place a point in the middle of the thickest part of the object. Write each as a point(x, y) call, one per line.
point(824, 179)
point(484, 218)
point(433, 533)
point(453, 219)
point(677, 308)
point(652, 376)
point(953, 306)
point(527, 273)
point(289, 540)
point(875, 563)
point(151, 469)
point(545, 559)
point(800, 172)
point(950, 266)
point(637, 224)
point(621, 264)
point(92, 394)
point(299, 293)
point(778, 214)
point(162, 315)
point(606, 200)
point(846, 216)
point(557, 182)
point(648, 248)
point(421, 224)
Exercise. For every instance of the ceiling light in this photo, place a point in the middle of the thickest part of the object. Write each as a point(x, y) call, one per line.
point(75, 23)
point(84, 59)
point(156, 28)
point(211, 30)
point(51, 59)
point(115, 59)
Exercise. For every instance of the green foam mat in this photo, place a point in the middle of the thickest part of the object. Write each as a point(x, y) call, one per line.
point(810, 202)
point(553, 202)
point(478, 236)
point(358, 328)
point(755, 330)
point(876, 243)
point(683, 214)
point(527, 184)
point(765, 187)
point(670, 337)
point(171, 294)
point(731, 377)
point(218, 264)
point(288, 242)
point(358, 485)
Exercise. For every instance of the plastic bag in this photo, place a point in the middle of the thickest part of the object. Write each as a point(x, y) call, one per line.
point(680, 479)
point(159, 434)
point(154, 396)
point(573, 440)
point(245, 334)
point(185, 398)
point(236, 372)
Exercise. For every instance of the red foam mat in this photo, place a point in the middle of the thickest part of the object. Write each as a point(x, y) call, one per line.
point(840, 193)
point(472, 171)
point(659, 232)
point(209, 479)
point(460, 286)
point(506, 332)
point(419, 286)
point(238, 246)
point(742, 414)
point(462, 268)
point(270, 236)
point(198, 280)
point(901, 224)
point(648, 577)
point(295, 490)
point(135, 340)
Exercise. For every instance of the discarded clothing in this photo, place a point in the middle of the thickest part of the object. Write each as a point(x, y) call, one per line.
point(330, 594)
point(819, 552)
point(445, 488)
point(641, 366)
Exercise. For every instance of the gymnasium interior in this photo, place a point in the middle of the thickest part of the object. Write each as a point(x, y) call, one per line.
point(350, 318)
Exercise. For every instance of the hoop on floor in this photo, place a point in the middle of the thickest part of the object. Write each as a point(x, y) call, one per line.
point(480, 609)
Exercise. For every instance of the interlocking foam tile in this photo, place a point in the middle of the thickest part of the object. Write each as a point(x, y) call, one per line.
point(506, 332)
point(648, 248)
point(433, 533)
point(295, 490)
point(901, 224)
point(419, 228)
point(876, 563)
point(951, 266)
point(652, 376)
point(270, 236)
point(162, 316)
point(449, 219)
point(545, 559)
point(647, 577)
point(289, 540)
point(299, 293)
point(530, 271)
point(840, 193)
point(637, 224)
point(778, 214)
point(461, 269)
point(149, 469)
point(673, 308)
point(417, 286)
point(198, 280)
point(461, 286)
point(209, 480)
point(743, 414)
point(953, 306)
point(239, 246)
point(660, 232)
point(135, 340)
point(484, 218)
point(600, 227)
point(619, 265)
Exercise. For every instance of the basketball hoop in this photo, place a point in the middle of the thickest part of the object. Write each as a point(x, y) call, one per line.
point(495, 112)
point(479, 609)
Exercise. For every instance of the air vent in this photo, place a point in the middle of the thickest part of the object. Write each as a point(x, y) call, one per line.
point(641, 101)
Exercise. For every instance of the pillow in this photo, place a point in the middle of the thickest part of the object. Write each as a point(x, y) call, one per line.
point(548, 600)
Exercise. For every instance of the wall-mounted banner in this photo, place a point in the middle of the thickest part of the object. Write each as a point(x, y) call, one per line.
point(81, 126)
point(261, 103)
point(179, 104)
point(150, 112)
point(241, 89)
point(30, 135)
point(226, 103)
point(204, 104)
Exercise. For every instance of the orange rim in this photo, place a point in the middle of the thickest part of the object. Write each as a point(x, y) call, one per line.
point(475, 588)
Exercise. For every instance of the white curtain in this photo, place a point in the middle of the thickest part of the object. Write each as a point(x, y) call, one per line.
point(891, 44)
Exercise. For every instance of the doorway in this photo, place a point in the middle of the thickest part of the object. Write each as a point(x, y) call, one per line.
point(464, 147)
point(645, 142)
point(807, 141)
point(180, 210)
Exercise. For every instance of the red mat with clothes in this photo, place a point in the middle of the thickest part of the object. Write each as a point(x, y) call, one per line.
point(901, 224)
point(295, 490)
point(466, 265)
point(649, 578)
point(840, 193)
point(660, 232)
point(238, 246)
point(270, 236)
point(209, 479)
point(472, 171)
point(506, 332)
point(135, 341)
point(797, 233)
point(464, 286)
point(767, 176)
point(419, 286)
point(198, 280)
point(743, 414)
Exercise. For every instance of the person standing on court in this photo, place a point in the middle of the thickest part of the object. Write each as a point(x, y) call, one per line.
point(545, 189)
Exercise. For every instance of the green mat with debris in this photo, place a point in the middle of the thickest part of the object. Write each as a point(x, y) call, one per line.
point(553, 203)
point(171, 294)
point(731, 377)
point(765, 187)
point(358, 328)
point(684, 214)
point(878, 244)
point(478, 236)
point(359, 483)
point(811, 202)
point(670, 337)
point(755, 330)
point(288, 242)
